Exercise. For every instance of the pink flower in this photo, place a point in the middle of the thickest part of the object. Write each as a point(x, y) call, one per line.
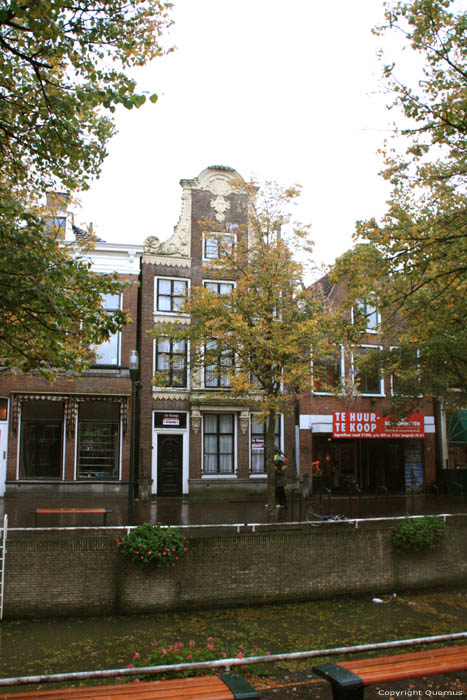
point(244, 666)
point(164, 651)
point(240, 655)
point(191, 644)
point(210, 647)
point(268, 653)
point(130, 666)
point(210, 639)
point(136, 655)
point(189, 657)
point(137, 680)
point(185, 549)
point(154, 643)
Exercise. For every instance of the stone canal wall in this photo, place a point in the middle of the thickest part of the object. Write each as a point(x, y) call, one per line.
point(51, 575)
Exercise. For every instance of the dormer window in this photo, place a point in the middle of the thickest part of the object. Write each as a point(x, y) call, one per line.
point(369, 311)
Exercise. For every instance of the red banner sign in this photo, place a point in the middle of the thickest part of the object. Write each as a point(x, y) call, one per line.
point(363, 424)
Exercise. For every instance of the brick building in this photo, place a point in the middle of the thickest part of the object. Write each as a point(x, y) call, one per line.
point(73, 435)
point(189, 442)
point(343, 433)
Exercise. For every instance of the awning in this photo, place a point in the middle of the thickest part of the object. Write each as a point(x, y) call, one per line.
point(457, 428)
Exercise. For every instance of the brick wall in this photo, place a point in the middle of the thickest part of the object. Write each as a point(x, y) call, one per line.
point(80, 575)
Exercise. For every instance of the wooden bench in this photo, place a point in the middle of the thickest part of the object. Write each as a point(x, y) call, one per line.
point(349, 678)
point(68, 511)
point(225, 687)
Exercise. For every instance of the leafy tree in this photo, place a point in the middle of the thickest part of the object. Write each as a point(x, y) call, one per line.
point(257, 338)
point(414, 260)
point(63, 71)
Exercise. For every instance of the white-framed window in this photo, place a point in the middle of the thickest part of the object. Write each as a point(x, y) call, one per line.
point(218, 366)
point(258, 442)
point(408, 359)
point(369, 311)
point(215, 241)
point(108, 352)
point(219, 286)
point(171, 362)
point(218, 444)
point(370, 383)
point(169, 294)
point(328, 371)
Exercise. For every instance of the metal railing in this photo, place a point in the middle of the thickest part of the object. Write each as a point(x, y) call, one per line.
point(227, 664)
point(2, 562)
point(238, 527)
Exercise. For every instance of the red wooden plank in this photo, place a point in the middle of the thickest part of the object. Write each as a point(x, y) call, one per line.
point(197, 688)
point(404, 666)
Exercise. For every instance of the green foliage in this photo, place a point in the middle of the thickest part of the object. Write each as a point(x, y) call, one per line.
point(210, 649)
point(63, 72)
point(153, 545)
point(413, 260)
point(419, 533)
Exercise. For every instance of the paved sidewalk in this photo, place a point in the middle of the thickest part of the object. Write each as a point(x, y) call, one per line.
point(183, 511)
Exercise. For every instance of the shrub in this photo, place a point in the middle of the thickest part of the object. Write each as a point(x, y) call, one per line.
point(210, 649)
point(153, 544)
point(419, 533)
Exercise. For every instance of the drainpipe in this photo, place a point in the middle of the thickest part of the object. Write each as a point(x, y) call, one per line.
point(297, 441)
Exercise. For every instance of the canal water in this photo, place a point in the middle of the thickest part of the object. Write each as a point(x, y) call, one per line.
point(61, 645)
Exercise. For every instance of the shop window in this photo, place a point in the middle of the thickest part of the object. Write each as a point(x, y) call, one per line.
point(108, 352)
point(218, 443)
point(170, 294)
point(218, 366)
point(258, 441)
point(98, 440)
point(171, 362)
point(369, 379)
point(41, 439)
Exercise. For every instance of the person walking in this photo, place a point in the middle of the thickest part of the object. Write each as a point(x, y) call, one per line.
point(280, 477)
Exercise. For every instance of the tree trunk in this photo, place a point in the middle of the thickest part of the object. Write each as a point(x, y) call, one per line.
point(269, 464)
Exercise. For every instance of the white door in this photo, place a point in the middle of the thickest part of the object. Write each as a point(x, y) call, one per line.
point(3, 454)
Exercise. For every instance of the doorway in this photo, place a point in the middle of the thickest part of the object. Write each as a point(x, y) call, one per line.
point(169, 465)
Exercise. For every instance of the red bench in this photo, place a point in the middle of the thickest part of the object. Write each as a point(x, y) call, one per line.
point(226, 687)
point(349, 678)
point(72, 511)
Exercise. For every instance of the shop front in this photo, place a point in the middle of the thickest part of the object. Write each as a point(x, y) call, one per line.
point(370, 451)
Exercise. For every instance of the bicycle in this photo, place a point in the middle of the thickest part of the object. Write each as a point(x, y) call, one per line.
point(315, 517)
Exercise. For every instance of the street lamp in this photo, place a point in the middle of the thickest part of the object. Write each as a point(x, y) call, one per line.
point(133, 366)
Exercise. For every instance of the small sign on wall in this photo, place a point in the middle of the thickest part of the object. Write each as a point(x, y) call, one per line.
point(169, 420)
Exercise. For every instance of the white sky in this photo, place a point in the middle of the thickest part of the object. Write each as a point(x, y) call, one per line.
point(288, 91)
